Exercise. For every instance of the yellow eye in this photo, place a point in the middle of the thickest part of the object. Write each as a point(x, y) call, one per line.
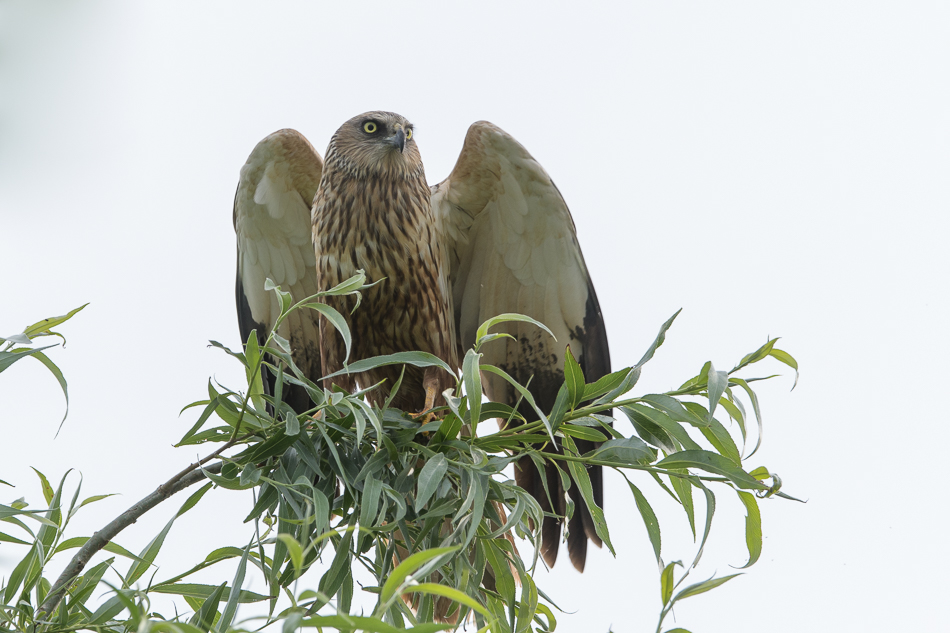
point(408, 134)
point(369, 127)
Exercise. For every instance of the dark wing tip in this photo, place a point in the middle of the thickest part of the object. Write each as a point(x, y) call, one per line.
point(550, 539)
point(577, 546)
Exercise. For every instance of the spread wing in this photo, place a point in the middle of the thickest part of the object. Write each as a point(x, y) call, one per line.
point(512, 247)
point(272, 223)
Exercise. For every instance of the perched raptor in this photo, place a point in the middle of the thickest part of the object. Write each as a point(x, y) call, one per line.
point(495, 236)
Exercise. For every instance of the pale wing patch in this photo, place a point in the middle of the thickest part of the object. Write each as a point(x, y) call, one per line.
point(276, 191)
point(272, 222)
point(513, 249)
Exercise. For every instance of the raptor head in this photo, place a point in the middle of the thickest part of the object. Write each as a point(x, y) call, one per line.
point(379, 143)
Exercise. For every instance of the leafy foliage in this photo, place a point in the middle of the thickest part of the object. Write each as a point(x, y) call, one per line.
point(426, 509)
point(17, 346)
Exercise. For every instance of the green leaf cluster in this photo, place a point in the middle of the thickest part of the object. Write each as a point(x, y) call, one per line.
point(425, 508)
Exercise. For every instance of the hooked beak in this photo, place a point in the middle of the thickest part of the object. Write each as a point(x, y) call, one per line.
point(399, 140)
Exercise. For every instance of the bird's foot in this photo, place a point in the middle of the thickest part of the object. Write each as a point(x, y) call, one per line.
point(427, 414)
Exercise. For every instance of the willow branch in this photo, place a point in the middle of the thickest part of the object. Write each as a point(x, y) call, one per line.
point(190, 475)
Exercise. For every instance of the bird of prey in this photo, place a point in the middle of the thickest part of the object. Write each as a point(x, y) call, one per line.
point(495, 236)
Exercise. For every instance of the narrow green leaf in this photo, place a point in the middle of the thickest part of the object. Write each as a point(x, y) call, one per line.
point(12, 356)
point(645, 416)
point(193, 499)
point(755, 408)
point(250, 475)
point(735, 412)
point(659, 340)
point(625, 385)
point(210, 408)
point(529, 604)
point(651, 432)
point(254, 370)
point(649, 518)
point(471, 377)
point(753, 527)
point(7, 512)
point(716, 383)
point(204, 591)
point(107, 610)
point(369, 502)
point(53, 369)
point(722, 441)
point(605, 384)
point(338, 322)
point(573, 379)
point(42, 328)
point(786, 358)
point(47, 488)
point(292, 622)
point(368, 625)
point(417, 359)
point(666, 581)
point(349, 286)
point(294, 550)
point(447, 592)
point(630, 450)
point(524, 394)
point(480, 488)
point(429, 479)
point(204, 618)
point(6, 538)
point(95, 498)
point(684, 491)
point(497, 559)
point(582, 432)
point(172, 627)
point(144, 559)
point(230, 608)
point(370, 414)
point(79, 541)
point(20, 573)
point(579, 474)
point(711, 462)
point(703, 587)
point(710, 511)
point(147, 556)
point(503, 318)
point(333, 579)
point(87, 583)
point(22, 339)
point(49, 533)
point(284, 298)
point(756, 356)
point(559, 409)
point(409, 566)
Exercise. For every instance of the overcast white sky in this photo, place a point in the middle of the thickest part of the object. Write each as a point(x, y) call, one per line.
point(775, 169)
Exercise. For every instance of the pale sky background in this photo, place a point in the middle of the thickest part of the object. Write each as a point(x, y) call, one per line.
point(775, 169)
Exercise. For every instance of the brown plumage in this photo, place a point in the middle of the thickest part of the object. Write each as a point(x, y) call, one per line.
point(496, 236)
point(372, 213)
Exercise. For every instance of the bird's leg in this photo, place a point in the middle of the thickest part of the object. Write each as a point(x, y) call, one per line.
point(431, 382)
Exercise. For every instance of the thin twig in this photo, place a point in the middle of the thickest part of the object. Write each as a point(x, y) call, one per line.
point(204, 460)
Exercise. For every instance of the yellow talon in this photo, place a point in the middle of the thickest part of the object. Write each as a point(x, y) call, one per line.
point(429, 415)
